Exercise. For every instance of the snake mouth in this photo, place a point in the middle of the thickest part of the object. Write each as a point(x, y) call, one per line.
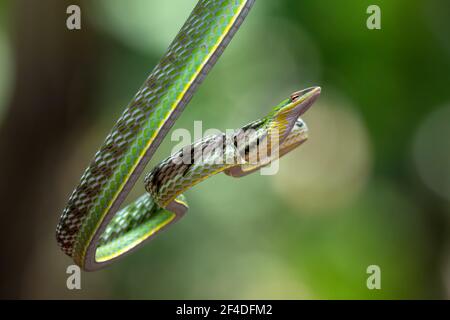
point(299, 103)
point(304, 99)
point(302, 93)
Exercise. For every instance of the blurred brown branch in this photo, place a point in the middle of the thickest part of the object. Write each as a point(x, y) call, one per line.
point(54, 66)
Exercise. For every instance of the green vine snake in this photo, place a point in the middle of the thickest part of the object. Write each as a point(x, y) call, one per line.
point(92, 230)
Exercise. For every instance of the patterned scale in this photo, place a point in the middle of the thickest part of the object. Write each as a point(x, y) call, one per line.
point(145, 121)
point(248, 148)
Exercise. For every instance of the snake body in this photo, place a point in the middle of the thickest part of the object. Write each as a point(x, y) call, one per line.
point(92, 230)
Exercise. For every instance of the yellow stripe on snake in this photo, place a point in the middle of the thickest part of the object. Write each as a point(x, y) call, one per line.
point(92, 230)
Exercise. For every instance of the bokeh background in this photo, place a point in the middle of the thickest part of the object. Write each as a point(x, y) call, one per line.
point(371, 186)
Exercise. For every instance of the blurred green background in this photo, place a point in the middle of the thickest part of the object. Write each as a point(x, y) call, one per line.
point(370, 187)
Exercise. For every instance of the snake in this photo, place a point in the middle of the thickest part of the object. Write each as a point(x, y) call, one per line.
point(94, 229)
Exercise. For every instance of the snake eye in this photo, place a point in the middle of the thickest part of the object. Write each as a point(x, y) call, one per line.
point(294, 97)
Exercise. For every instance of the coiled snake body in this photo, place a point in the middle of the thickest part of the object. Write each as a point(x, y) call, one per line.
point(91, 229)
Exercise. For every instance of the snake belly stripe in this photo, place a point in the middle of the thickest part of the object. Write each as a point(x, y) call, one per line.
point(138, 133)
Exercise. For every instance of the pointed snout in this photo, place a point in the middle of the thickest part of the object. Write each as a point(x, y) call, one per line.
point(303, 99)
point(299, 94)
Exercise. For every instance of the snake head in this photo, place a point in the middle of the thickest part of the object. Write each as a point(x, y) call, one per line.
point(283, 130)
point(300, 101)
point(297, 104)
point(285, 116)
